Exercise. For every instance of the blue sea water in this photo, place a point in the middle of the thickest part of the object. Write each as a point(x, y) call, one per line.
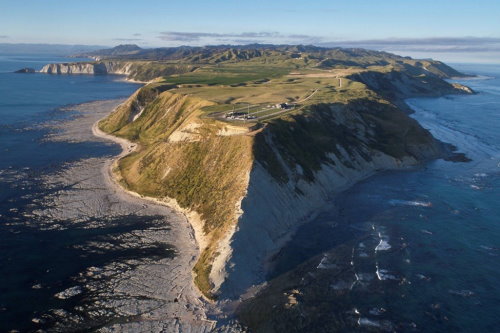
point(435, 230)
point(28, 100)
point(27, 255)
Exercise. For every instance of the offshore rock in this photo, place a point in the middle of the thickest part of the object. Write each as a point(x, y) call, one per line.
point(26, 70)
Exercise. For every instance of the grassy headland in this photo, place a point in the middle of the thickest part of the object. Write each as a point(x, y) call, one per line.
point(342, 100)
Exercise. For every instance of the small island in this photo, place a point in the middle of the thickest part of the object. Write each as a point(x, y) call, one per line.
point(26, 70)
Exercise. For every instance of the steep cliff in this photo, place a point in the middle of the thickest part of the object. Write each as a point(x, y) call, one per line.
point(135, 70)
point(306, 123)
point(187, 161)
point(246, 186)
point(75, 68)
point(397, 85)
point(146, 64)
point(300, 163)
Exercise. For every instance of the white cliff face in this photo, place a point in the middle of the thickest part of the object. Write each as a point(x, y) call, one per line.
point(272, 211)
point(77, 68)
point(106, 67)
point(118, 68)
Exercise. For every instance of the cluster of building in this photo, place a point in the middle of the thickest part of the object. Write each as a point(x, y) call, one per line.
point(239, 116)
point(246, 115)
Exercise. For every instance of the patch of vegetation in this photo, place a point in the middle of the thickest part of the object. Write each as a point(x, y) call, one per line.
point(124, 113)
point(208, 176)
point(395, 133)
point(146, 71)
point(306, 140)
point(228, 75)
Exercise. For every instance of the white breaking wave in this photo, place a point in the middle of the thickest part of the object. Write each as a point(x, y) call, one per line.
point(368, 322)
point(325, 263)
point(383, 274)
point(395, 202)
point(383, 245)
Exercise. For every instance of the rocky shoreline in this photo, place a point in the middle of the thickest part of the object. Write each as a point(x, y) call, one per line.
point(146, 282)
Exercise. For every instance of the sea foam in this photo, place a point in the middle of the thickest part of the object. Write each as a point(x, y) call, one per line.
point(396, 202)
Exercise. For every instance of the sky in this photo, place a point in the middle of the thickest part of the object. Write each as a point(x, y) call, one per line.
point(449, 30)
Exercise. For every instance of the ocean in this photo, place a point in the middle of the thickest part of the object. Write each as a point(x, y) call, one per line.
point(434, 230)
point(432, 259)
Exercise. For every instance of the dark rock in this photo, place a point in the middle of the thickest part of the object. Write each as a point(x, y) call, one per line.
point(457, 157)
point(25, 70)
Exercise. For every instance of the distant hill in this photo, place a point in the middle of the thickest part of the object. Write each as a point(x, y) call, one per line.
point(251, 140)
point(175, 60)
point(120, 50)
point(221, 53)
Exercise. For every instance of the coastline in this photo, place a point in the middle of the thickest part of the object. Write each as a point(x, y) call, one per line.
point(88, 130)
point(411, 228)
point(349, 179)
point(192, 218)
point(157, 291)
point(180, 305)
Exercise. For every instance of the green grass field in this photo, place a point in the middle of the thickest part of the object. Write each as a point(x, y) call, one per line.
point(258, 97)
point(227, 75)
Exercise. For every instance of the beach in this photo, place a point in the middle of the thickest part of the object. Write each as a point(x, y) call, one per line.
point(146, 292)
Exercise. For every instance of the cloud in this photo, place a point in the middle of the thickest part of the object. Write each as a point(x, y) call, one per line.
point(4, 36)
point(127, 39)
point(404, 45)
point(197, 36)
point(137, 34)
point(239, 38)
point(434, 44)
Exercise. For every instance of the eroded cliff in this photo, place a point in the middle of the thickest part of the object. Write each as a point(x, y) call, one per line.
point(246, 186)
point(134, 70)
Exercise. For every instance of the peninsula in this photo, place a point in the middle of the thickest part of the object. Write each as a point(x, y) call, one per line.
point(252, 141)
